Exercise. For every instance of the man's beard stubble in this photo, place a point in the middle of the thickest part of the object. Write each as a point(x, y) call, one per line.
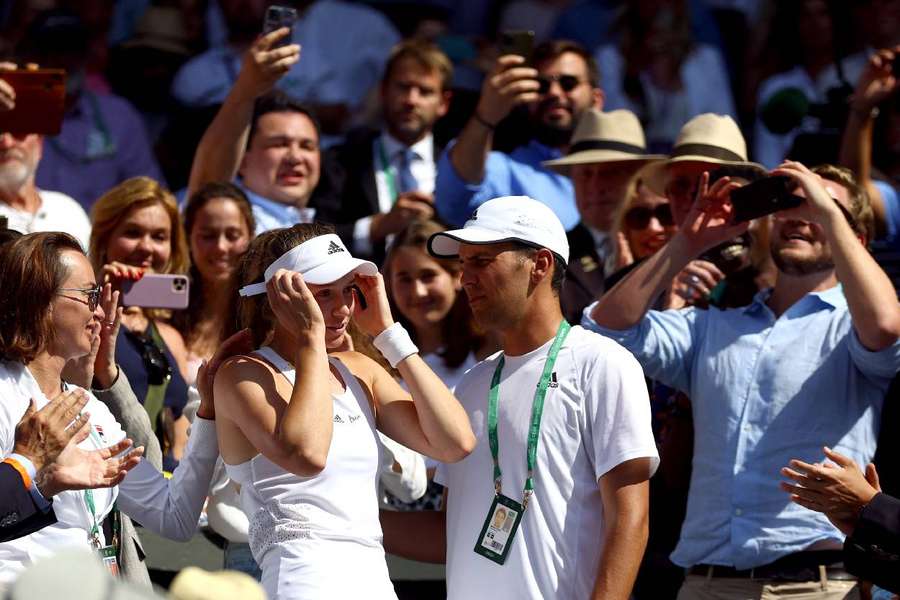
point(802, 266)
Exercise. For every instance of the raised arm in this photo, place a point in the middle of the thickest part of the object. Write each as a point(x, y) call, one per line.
point(707, 224)
point(221, 149)
point(625, 491)
point(429, 419)
point(876, 84)
point(870, 295)
point(508, 85)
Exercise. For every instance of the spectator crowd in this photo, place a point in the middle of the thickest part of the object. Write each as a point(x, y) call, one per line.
point(574, 298)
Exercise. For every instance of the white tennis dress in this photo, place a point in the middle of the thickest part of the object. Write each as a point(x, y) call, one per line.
point(320, 537)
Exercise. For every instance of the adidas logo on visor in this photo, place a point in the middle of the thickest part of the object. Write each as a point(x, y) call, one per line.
point(334, 248)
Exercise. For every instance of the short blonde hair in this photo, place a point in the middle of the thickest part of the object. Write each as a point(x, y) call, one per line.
point(115, 205)
point(860, 206)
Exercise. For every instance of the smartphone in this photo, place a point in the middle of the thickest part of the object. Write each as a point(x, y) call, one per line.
point(40, 101)
point(895, 67)
point(157, 291)
point(520, 43)
point(278, 17)
point(764, 197)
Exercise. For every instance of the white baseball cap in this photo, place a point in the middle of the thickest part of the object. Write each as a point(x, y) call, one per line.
point(322, 259)
point(506, 219)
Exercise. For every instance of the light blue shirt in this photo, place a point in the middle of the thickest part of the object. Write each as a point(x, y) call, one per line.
point(516, 174)
point(764, 391)
point(275, 215)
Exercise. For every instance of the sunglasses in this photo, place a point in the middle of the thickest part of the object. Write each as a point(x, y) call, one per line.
point(93, 295)
point(639, 216)
point(566, 82)
point(155, 362)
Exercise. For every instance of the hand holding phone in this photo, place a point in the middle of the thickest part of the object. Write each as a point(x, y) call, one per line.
point(519, 43)
point(278, 17)
point(764, 197)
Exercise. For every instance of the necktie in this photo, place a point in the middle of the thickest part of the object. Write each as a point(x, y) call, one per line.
point(407, 182)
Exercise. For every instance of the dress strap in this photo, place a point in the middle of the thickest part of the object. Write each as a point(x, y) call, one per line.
point(286, 368)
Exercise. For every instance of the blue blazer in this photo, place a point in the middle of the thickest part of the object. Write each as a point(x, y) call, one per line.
point(19, 515)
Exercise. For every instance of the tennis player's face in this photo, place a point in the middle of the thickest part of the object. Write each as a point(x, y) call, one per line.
point(496, 279)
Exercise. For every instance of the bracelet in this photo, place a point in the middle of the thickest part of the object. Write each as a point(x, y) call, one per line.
point(484, 123)
point(395, 344)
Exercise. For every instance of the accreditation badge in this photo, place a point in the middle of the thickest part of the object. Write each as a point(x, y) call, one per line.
point(108, 557)
point(499, 529)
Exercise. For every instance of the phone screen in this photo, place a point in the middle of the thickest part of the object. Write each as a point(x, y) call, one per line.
point(520, 43)
point(40, 101)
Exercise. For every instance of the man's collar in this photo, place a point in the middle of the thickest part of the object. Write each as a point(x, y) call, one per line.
point(279, 210)
point(833, 296)
point(424, 148)
point(544, 151)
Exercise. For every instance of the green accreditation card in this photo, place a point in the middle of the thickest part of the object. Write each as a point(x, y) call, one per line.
point(499, 529)
point(108, 556)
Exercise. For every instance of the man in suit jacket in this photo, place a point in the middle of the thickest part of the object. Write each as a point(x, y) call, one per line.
point(853, 501)
point(383, 180)
point(607, 150)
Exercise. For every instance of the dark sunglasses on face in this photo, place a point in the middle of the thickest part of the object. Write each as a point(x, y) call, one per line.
point(639, 216)
point(93, 295)
point(566, 82)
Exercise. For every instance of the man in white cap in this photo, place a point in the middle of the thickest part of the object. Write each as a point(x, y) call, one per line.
point(562, 423)
point(807, 362)
point(607, 150)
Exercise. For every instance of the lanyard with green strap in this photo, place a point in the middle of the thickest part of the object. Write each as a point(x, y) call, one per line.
point(537, 410)
point(505, 514)
point(390, 173)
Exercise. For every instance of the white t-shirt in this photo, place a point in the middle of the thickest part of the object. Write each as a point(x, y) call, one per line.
point(597, 418)
point(57, 212)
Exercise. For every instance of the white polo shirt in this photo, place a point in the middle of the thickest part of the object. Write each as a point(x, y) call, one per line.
point(595, 418)
point(57, 212)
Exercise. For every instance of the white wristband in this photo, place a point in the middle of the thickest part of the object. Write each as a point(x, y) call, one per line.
point(395, 344)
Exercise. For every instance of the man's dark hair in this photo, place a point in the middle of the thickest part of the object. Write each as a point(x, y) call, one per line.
point(559, 265)
point(553, 49)
point(278, 101)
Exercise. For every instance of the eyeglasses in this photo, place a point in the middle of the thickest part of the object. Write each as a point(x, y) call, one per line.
point(566, 82)
point(93, 295)
point(639, 216)
point(155, 362)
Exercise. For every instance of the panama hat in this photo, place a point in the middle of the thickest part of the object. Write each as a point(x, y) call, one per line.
point(601, 137)
point(707, 138)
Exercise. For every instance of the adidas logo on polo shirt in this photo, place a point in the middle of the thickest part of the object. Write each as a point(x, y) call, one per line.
point(333, 247)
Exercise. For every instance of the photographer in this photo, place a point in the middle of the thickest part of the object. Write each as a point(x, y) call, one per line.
point(807, 360)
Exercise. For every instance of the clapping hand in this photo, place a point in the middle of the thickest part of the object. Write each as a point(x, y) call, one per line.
point(839, 490)
point(77, 469)
point(41, 435)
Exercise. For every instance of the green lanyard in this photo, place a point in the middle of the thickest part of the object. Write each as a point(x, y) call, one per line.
point(390, 174)
point(537, 410)
point(94, 533)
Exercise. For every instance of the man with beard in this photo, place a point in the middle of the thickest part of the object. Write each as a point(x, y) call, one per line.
point(384, 179)
point(560, 84)
point(562, 423)
point(807, 362)
point(27, 208)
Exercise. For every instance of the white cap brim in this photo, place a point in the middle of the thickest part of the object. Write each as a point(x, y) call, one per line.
point(337, 269)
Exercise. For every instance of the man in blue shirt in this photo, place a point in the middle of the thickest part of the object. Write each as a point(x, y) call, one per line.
point(267, 138)
point(807, 363)
point(559, 86)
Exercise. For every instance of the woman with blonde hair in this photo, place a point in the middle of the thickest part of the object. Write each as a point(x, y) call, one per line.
point(136, 229)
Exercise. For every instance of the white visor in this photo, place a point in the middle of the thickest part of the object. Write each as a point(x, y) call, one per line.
point(321, 260)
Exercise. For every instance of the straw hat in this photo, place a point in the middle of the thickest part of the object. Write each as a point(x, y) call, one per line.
point(601, 137)
point(196, 584)
point(707, 138)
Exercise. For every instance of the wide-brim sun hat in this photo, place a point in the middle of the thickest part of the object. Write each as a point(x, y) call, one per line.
point(605, 137)
point(506, 219)
point(708, 138)
point(321, 260)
